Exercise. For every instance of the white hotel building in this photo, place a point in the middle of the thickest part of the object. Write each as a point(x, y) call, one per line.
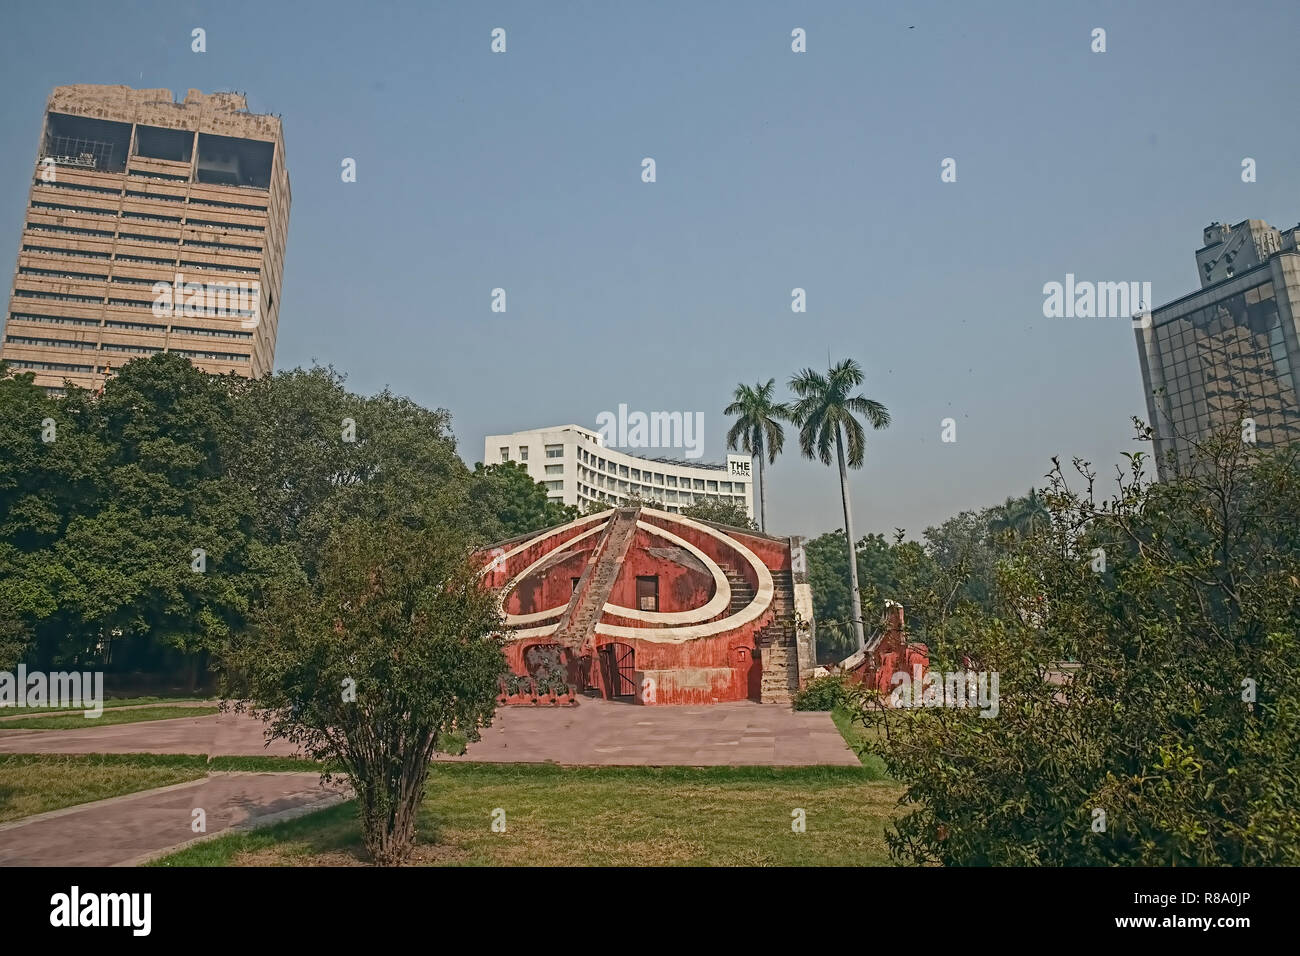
point(577, 469)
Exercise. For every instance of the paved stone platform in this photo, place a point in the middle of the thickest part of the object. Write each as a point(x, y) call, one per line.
point(127, 830)
point(607, 733)
point(596, 732)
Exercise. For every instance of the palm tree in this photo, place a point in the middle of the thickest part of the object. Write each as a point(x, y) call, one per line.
point(1021, 516)
point(757, 430)
point(826, 414)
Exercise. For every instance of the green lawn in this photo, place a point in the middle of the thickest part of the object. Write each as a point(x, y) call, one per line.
point(856, 736)
point(37, 783)
point(77, 720)
point(608, 816)
point(6, 711)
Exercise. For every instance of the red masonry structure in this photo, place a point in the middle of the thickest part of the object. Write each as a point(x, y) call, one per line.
point(651, 607)
point(889, 653)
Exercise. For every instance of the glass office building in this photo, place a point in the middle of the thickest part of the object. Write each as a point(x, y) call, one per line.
point(1227, 351)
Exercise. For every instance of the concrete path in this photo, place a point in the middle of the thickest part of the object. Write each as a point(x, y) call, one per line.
point(596, 732)
point(127, 830)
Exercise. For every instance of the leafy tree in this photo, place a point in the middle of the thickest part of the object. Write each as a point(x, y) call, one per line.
point(44, 485)
point(388, 648)
point(883, 566)
point(314, 454)
point(757, 430)
point(720, 512)
point(519, 503)
point(1149, 681)
point(167, 428)
point(826, 413)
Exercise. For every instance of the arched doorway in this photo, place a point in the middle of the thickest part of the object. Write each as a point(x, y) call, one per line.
point(618, 671)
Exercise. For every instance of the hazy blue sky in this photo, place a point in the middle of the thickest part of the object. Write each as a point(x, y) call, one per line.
point(775, 170)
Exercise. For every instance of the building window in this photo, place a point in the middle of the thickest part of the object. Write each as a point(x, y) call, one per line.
point(555, 469)
point(554, 451)
point(699, 484)
point(505, 455)
point(523, 452)
point(672, 481)
point(647, 592)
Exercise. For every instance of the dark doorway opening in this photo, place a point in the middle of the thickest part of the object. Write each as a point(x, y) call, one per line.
point(618, 670)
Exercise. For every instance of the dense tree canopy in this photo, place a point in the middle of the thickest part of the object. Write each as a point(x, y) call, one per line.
point(139, 527)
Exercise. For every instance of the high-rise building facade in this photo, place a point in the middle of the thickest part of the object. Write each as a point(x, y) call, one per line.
point(578, 469)
point(1229, 351)
point(152, 225)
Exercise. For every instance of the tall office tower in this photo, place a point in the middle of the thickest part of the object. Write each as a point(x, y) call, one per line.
point(151, 226)
point(1234, 343)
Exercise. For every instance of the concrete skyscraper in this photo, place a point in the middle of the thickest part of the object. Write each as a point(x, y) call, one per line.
point(152, 225)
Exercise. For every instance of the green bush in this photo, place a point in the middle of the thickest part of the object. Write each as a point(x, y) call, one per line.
point(1172, 736)
point(823, 693)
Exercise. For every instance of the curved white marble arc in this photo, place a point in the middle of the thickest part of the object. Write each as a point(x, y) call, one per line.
point(535, 616)
point(576, 523)
point(678, 635)
point(720, 601)
point(600, 519)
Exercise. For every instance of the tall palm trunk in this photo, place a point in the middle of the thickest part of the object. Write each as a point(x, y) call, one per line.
point(858, 631)
point(762, 495)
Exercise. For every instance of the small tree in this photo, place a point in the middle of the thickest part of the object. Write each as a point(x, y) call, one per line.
point(720, 512)
point(367, 666)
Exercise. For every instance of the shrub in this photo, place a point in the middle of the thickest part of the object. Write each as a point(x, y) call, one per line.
point(370, 665)
point(823, 693)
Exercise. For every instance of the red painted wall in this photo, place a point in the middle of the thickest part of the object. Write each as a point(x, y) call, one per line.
point(892, 654)
point(550, 587)
point(699, 671)
point(681, 588)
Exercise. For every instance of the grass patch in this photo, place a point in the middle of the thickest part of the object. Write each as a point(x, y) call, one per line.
point(266, 764)
point(8, 709)
point(38, 783)
point(78, 721)
point(454, 743)
point(602, 816)
point(857, 736)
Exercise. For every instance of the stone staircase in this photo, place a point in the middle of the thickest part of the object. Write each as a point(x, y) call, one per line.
point(579, 620)
point(742, 592)
point(776, 641)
